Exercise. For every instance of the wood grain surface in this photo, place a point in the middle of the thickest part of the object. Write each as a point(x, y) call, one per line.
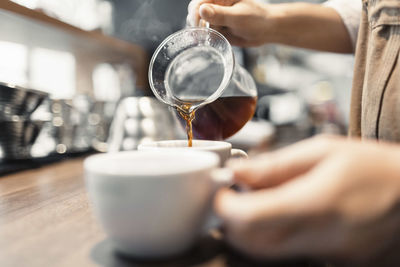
point(45, 218)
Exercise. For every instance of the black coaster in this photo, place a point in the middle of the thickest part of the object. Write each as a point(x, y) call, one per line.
point(203, 252)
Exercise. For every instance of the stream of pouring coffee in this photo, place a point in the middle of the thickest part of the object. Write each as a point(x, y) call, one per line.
point(188, 116)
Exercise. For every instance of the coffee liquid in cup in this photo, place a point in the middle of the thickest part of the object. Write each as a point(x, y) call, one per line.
point(217, 120)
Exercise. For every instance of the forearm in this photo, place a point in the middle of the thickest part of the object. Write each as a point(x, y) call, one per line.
point(309, 26)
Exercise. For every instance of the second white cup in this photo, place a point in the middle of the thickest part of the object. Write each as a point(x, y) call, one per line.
point(223, 149)
point(154, 204)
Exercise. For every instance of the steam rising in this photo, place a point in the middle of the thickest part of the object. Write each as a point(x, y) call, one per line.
point(153, 20)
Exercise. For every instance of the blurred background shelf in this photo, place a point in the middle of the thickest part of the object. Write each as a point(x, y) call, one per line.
point(19, 24)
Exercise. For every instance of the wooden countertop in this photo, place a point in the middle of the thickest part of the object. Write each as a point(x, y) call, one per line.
point(45, 220)
point(45, 217)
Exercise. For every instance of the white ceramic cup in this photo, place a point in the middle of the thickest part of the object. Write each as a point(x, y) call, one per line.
point(223, 149)
point(153, 204)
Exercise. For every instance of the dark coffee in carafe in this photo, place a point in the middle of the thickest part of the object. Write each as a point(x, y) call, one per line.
point(217, 120)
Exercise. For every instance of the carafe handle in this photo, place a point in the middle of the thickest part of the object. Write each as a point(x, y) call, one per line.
point(204, 23)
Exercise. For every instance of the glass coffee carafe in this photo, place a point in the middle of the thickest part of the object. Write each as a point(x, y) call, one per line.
point(194, 71)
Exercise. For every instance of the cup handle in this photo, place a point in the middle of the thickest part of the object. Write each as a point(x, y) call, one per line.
point(238, 154)
point(222, 177)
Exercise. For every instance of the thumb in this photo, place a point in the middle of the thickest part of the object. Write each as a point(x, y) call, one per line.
point(310, 193)
point(275, 168)
point(216, 14)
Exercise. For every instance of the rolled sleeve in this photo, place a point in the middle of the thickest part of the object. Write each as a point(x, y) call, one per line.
point(350, 12)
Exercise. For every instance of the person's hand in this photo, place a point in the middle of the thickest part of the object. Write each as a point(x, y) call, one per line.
point(242, 22)
point(325, 197)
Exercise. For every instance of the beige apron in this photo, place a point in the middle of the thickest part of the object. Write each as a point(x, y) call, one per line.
point(375, 103)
